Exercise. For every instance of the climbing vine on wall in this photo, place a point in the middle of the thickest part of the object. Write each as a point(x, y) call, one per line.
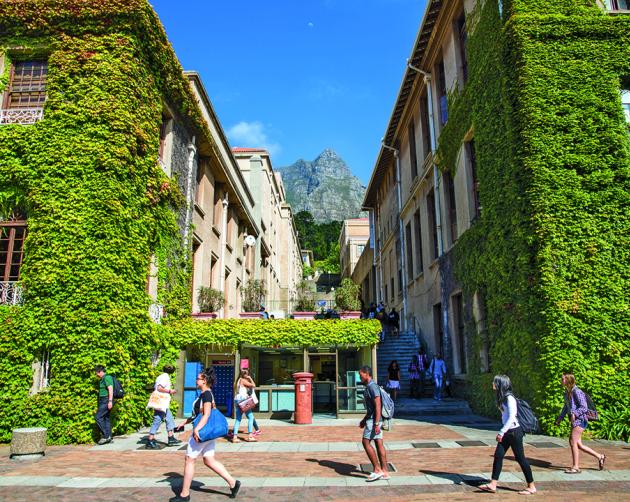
point(550, 251)
point(99, 207)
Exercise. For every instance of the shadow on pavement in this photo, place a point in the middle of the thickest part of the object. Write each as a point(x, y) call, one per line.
point(339, 467)
point(174, 479)
point(456, 478)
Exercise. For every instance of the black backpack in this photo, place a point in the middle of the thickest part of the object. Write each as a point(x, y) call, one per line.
point(526, 417)
point(119, 392)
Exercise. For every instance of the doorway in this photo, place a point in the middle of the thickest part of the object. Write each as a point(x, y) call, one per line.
point(324, 392)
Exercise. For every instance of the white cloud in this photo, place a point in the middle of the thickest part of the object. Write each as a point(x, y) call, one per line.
point(252, 135)
point(310, 25)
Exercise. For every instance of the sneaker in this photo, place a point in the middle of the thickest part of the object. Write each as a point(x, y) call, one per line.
point(104, 440)
point(152, 444)
point(173, 441)
point(257, 433)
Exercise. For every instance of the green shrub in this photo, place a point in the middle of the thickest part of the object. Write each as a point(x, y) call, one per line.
point(305, 298)
point(347, 295)
point(210, 299)
point(253, 295)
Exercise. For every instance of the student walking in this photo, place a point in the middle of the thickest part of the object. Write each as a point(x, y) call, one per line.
point(438, 372)
point(393, 319)
point(510, 436)
point(417, 367)
point(105, 404)
point(372, 426)
point(203, 405)
point(160, 401)
point(393, 378)
point(575, 405)
point(245, 388)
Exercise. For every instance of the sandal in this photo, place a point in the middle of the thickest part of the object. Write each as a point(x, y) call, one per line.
point(602, 461)
point(572, 471)
point(251, 439)
point(487, 489)
point(235, 439)
point(374, 476)
point(527, 491)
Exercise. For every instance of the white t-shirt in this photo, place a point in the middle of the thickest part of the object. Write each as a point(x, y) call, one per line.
point(164, 380)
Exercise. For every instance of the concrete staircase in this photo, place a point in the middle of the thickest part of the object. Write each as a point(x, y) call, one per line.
point(401, 348)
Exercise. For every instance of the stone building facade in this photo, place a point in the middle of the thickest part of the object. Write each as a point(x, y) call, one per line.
point(277, 250)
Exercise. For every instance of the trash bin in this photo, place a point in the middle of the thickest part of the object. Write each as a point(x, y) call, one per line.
point(303, 400)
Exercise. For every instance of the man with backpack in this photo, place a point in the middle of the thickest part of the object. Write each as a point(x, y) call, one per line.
point(372, 425)
point(105, 403)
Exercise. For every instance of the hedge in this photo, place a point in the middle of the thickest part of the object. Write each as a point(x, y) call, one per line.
point(550, 252)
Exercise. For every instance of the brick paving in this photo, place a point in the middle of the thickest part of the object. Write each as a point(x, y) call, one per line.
point(321, 466)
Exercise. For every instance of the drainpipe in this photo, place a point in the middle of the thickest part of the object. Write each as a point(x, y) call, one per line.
point(373, 240)
point(401, 235)
point(192, 151)
point(438, 218)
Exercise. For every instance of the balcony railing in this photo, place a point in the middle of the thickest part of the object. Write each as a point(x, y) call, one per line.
point(22, 116)
point(10, 293)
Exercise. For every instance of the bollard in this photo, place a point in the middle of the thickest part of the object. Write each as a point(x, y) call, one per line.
point(28, 442)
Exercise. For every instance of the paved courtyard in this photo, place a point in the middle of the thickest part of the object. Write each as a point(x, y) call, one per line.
point(440, 457)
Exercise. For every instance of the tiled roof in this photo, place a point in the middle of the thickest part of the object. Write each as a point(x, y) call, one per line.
point(240, 149)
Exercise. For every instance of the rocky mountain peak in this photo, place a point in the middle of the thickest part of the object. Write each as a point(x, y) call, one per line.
point(325, 187)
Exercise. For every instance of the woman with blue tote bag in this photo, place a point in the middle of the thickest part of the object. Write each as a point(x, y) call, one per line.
point(205, 426)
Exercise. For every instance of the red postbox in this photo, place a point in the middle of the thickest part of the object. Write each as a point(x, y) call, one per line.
point(303, 400)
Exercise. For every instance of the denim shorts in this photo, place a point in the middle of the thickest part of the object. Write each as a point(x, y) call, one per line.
point(580, 422)
point(368, 431)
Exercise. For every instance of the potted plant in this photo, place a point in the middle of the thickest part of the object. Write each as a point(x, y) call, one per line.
point(253, 296)
point(347, 299)
point(305, 304)
point(210, 300)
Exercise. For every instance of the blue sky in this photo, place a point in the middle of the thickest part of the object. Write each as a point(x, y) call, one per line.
point(298, 76)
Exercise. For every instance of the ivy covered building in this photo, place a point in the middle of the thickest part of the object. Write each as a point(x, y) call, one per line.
point(499, 201)
point(112, 166)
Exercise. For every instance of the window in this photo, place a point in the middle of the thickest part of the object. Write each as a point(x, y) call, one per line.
point(12, 235)
point(472, 162)
point(360, 249)
point(462, 43)
point(27, 85)
point(458, 325)
point(437, 329)
point(409, 246)
point(441, 92)
point(418, 228)
point(625, 102)
point(391, 288)
point(449, 192)
point(24, 98)
point(411, 132)
point(617, 4)
point(432, 223)
point(424, 119)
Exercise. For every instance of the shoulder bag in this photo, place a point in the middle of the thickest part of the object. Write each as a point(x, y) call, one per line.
point(216, 426)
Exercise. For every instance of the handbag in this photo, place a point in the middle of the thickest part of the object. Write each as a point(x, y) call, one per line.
point(249, 403)
point(159, 400)
point(216, 426)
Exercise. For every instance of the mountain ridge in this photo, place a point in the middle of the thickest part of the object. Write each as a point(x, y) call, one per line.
point(325, 187)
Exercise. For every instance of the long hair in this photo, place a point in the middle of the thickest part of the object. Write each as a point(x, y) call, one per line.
point(503, 387)
point(393, 365)
point(209, 376)
point(569, 382)
point(244, 373)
